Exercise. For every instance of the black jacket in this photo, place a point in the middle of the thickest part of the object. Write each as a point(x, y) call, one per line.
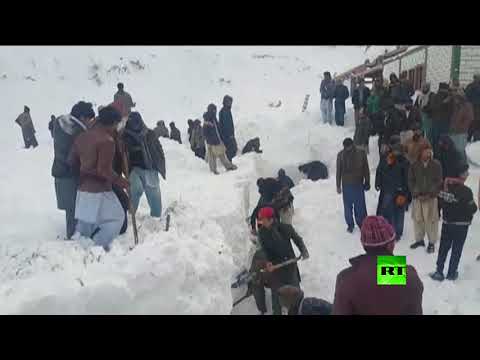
point(286, 181)
point(356, 98)
point(441, 111)
point(252, 145)
point(267, 190)
point(452, 162)
point(472, 92)
point(341, 94)
point(225, 122)
point(175, 135)
point(327, 89)
point(394, 123)
point(65, 129)
point(462, 209)
point(315, 170)
point(210, 129)
point(392, 179)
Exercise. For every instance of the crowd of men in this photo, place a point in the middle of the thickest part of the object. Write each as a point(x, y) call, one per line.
point(104, 163)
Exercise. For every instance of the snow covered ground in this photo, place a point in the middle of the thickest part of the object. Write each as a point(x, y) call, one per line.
point(187, 270)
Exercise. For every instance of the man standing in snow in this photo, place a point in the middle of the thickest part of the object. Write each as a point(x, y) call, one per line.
point(356, 289)
point(472, 92)
point(51, 124)
point(198, 140)
point(458, 208)
point(340, 95)
point(353, 179)
point(161, 130)
point(146, 160)
point(215, 147)
point(284, 179)
point(227, 128)
point(425, 182)
point(359, 100)
point(327, 92)
point(98, 211)
point(123, 103)
point(275, 240)
point(65, 131)
point(175, 133)
point(24, 120)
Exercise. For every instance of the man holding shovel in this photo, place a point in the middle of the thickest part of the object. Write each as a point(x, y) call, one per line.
point(275, 239)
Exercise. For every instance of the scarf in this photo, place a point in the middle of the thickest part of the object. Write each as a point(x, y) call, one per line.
point(140, 143)
point(423, 99)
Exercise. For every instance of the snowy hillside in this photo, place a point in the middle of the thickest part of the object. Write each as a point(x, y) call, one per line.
point(189, 269)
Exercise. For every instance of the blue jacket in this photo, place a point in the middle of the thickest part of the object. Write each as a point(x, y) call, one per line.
point(341, 94)
point(327, 89)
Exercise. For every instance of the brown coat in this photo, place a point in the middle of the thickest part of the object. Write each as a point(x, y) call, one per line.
point(93, 152)
point(414, 148)
point(426, 181)
point(357, 292)
point(462, 118)
point(352, 167)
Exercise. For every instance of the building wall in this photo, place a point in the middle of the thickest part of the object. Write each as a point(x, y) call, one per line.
point(439, 62)
point(469, 63)
point(412, 60)
point(393, 67)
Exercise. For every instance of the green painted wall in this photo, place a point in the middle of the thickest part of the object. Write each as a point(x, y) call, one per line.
point(455, 68)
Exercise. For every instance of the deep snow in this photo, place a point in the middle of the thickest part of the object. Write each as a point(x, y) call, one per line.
point(189, 269)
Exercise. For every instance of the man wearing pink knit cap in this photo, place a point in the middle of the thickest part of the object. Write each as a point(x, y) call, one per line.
point(356, 289)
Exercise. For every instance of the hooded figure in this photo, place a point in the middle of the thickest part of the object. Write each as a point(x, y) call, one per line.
point(198, 140)
point(175, 133)
point(215, 147)
point(65, 130)
point(24, 120)
point(227, 128)
point(252, 145)
point(284, 180)
point(161, 130)
point(356, 288)
point(146, 160)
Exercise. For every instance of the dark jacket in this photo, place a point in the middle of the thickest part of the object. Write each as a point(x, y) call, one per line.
point(462, 208)
point(425, 180)
point(66, 128)
point(93, 153)
point(161, 131)
point(225, 124)
point(283, 199)
point(452, 162)
point(315, 170)
point(414, 118)
point(144, 149)
point(51, 124)
point(198, 140)
point(311, 306)
point(286, 181)
point(175, 135)
point(210, 129)
point(392, 179)
point(356, 98)
point(269, 188)
point(362, 132)
point(352, 168)
point(472, 92)
point(327, 89)
point(462, 118)
point(394, 123)
point(441, 109)
point(340, 95)
point(357, 292)
point(277, 246)
point(252, 145)
point(401, 92)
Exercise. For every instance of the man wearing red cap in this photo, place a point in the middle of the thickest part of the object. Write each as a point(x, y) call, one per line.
point(356, 289)
point(275, 240)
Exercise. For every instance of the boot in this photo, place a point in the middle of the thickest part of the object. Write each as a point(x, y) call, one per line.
point(438, 276)
point(430, 248)
point(350, 229)
point(234, 167)
point(453, 276)
point(417, 244)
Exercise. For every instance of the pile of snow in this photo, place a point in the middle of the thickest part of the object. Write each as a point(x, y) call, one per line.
point(187, 270)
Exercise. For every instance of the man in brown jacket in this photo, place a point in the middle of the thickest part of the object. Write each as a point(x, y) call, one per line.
point(425, 182)
point(356, 289)
point(24, 120)
point(462, 118)
point(414, 146)
point(98, 211)
point(353, 179)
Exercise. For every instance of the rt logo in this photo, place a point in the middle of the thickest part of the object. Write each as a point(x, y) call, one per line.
point(392, 270)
